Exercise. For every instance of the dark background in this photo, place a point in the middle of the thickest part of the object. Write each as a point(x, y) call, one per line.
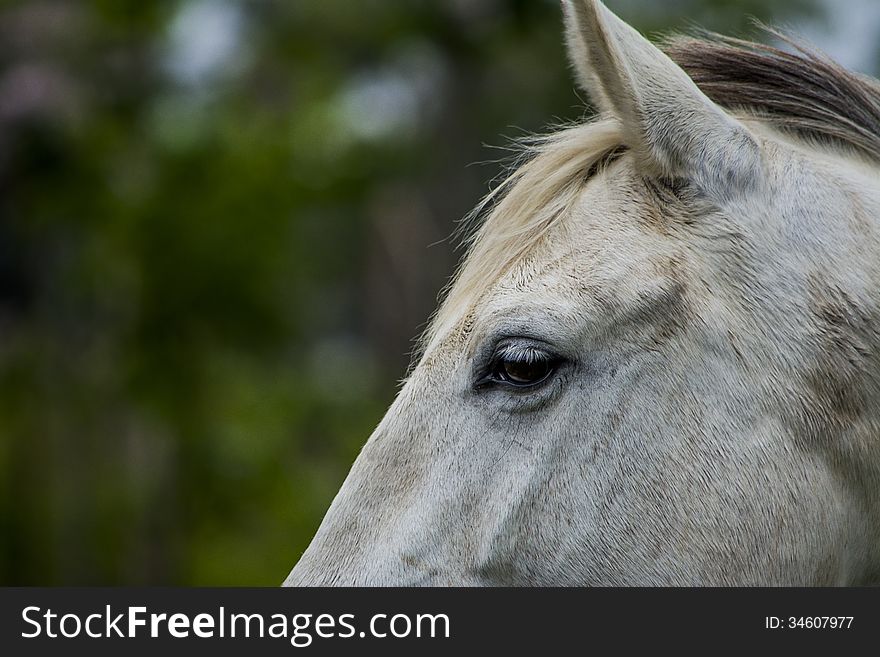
point(221, 225)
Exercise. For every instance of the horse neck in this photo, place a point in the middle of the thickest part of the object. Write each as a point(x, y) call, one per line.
point(865, 459)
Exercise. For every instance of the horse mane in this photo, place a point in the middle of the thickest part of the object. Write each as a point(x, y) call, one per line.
point(801, 92)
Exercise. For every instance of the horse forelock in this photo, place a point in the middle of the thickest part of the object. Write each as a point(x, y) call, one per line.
point(520, 211)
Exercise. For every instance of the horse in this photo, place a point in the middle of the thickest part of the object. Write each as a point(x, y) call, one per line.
point(658, 363)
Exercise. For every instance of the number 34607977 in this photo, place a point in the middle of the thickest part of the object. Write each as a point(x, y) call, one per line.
point(808, 622)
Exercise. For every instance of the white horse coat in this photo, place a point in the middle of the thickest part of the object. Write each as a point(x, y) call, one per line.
point(660, 361)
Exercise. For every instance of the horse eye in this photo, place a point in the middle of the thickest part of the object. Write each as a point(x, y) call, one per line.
point(522, 367)
point(521, 373)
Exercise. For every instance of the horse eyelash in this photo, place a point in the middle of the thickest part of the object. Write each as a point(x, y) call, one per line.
point(520, 353)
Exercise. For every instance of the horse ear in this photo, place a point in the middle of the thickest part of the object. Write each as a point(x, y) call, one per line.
point(672, 126)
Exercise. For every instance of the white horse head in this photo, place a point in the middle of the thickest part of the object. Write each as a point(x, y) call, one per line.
point(660, 360)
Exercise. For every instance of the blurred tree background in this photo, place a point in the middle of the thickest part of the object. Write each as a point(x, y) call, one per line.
point(221, 225)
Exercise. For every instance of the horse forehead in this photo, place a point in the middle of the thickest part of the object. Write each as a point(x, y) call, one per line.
point(605, 241)
point(618, 242)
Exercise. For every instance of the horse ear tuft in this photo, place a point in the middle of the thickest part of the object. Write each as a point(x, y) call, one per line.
point(672, 126)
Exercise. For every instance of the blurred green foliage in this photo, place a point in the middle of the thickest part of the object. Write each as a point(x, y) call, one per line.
point(215, 221)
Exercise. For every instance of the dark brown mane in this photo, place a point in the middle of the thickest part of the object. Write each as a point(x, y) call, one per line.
point(803, 91)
